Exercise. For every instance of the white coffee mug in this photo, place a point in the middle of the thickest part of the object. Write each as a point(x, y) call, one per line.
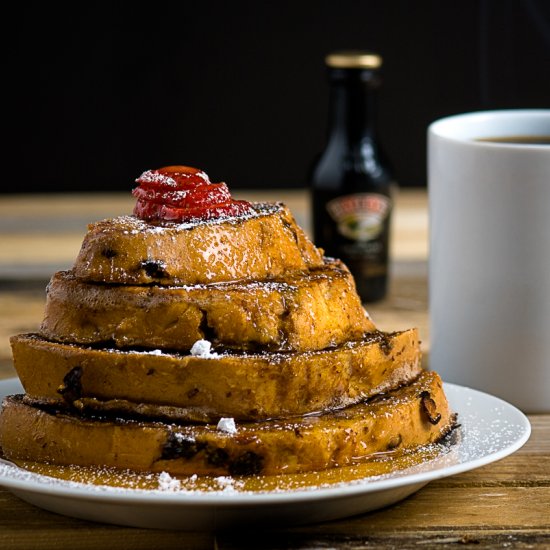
point(489, 266)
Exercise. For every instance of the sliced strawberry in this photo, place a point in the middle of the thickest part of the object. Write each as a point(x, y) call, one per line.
point(174, 177)
point(183, 193)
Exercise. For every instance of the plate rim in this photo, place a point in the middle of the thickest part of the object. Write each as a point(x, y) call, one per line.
point(80, 491)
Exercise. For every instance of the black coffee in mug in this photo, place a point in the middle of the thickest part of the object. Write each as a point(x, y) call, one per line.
point(518, 140)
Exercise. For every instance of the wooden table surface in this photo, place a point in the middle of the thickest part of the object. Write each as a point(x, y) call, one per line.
point(502, 505)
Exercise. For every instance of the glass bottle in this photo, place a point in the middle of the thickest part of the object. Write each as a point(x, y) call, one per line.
point(351, 183)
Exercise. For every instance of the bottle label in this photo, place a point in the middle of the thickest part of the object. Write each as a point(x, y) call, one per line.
point(360, 217)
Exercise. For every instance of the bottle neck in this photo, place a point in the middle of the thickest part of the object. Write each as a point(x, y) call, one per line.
point(352, 106)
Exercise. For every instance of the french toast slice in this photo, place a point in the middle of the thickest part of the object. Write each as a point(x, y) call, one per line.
point(240, 385)
point(265, 244)
point(412, 416)
point(304, 311)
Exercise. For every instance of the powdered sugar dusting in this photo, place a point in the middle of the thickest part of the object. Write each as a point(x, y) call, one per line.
point(168, 483)
point(135, 225)
point(227, 484)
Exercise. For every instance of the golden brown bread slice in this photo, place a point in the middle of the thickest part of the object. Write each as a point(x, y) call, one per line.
point(240, 385)
point(303, 311)
point(412, 416)
point(128, 250)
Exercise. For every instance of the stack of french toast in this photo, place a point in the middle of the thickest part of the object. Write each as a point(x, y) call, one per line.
point(223, 343)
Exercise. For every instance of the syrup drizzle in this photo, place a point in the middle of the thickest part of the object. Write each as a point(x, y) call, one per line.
point(380, 465)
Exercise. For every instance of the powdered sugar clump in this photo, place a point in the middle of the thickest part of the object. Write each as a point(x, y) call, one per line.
point(226, 483)
point(201, 348)
point(168, 483)
point(227, 425)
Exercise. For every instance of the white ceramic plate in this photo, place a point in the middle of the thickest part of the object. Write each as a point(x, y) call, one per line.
point(490, 430)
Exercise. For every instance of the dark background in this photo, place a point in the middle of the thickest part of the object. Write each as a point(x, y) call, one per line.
point(99, 92)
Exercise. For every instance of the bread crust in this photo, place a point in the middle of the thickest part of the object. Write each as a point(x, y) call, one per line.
point(260, 246)
point(412, 416)
point(301, 312)
point(239, 385)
